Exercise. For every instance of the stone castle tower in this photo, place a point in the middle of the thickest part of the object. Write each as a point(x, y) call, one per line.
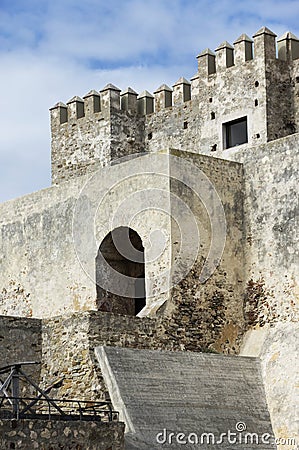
point(171, 224)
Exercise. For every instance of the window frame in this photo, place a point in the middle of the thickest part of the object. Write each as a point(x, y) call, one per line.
point(226, 127)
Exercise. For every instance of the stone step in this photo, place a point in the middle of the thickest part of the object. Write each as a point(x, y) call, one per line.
point(184, 392)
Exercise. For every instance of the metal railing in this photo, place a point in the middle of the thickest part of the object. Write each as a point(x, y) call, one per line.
point(42, 406)
point(56, 409)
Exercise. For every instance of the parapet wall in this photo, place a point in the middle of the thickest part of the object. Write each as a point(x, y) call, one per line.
point(246, 80)
point(89, 133)
point(68, 344)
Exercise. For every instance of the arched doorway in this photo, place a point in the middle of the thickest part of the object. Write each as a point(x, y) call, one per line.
point(122, 249)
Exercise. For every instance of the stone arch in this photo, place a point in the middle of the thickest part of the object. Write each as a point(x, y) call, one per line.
point(123, 250)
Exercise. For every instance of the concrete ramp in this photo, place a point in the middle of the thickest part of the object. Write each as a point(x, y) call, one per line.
point(184, 400)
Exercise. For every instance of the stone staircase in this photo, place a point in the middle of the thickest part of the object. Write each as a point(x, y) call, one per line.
point(161, 394)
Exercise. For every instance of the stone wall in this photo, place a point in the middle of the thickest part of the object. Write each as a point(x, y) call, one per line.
point(229, 84)
point(43, 272)
point(68, 345)
point(280, 100)
point(277, 347)
point(65, 345)
point(262, 89)
point(38, 263)
point(20, 341)
point(210, 313)
point(271, 224)
point(50, 435)
point(69, 341)
point(254, 289)
point(92, 141)
point(197, 125)
point(271, 304)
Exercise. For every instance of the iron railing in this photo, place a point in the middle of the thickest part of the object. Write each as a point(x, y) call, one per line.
point(42, 406)
point(56, 409)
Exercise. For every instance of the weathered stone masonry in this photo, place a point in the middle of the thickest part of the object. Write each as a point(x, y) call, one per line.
point(250, 304)
point(228, 85)
point(46, 435)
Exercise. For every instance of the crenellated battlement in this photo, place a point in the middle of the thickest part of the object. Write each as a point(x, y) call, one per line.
point(244, 49)
point(208, 259)
point(235, 81)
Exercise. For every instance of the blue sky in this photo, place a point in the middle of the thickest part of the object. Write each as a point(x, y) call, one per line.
point(51, 50)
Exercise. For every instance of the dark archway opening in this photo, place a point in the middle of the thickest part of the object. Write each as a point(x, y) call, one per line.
point(123, 251)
